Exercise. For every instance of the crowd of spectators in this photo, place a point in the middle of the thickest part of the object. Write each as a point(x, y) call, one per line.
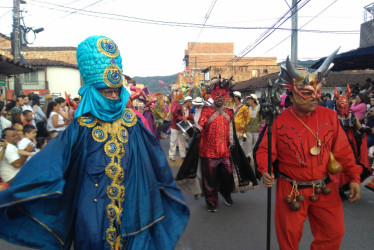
point(361, 101)
point(26, 126)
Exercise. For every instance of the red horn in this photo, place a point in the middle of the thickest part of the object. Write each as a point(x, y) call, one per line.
point(348, 91)
point(337, 95)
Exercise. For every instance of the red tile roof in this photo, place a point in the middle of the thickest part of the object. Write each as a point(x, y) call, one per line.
point(10, 67)
point(47, 62)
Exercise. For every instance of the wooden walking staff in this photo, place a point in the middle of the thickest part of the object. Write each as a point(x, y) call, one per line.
point(270, 109)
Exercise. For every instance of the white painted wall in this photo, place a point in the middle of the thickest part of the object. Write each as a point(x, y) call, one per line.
point(61, 79)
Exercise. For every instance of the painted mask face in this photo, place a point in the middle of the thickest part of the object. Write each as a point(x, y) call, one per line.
point(219, 94)
point(343, 105)
point(307, 94)
point(342, 102)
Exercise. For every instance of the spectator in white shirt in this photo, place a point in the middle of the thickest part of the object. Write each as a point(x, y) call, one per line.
point(12, 161)
point(26, 105)
point(29, 133)
point(55, 120)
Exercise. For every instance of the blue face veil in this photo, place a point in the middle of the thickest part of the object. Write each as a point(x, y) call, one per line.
point(100, 65)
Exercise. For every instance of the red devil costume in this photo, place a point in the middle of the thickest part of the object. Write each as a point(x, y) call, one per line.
point(303, 148)
point(357, 139)
point(223, 164)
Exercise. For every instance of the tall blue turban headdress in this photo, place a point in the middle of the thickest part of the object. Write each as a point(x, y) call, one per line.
point(100, 65)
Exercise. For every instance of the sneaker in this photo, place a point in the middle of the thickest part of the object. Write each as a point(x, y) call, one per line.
point(228, 201)
point(172, 158)
point(212, 209)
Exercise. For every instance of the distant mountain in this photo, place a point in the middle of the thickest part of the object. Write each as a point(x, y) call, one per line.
point(305, 64)
point(152, 82)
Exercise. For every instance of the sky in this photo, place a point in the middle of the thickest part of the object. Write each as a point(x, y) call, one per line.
point(150, 49)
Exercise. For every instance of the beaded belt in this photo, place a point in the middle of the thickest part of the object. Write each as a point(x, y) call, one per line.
point(306, 184)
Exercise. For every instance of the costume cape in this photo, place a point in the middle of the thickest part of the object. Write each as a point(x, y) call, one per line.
point(40, 209)
point(189, 174)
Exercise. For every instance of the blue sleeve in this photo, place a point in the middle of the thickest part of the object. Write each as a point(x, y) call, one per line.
point(37, 206)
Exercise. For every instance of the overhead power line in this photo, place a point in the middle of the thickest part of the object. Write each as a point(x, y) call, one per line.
point(300, 28)
point(266, 34)
point(125, 18)
point(206, 19)
point(90, 5)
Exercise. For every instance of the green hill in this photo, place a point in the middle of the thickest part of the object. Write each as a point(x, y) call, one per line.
point(152, 82)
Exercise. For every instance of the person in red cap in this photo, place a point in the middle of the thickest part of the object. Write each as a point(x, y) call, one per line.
point(308, 143)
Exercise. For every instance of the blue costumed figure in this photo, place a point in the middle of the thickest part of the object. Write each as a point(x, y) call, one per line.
point(104, 182)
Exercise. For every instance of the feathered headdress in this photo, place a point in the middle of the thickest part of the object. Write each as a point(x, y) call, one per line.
point(220, 87)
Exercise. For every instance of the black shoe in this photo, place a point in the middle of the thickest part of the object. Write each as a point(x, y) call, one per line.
point(228, 201)
point(212, 209)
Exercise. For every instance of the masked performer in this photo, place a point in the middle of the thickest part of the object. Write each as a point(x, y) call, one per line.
point(308, 143)
point(104, 182)
point(357, 139)
point(223, 163)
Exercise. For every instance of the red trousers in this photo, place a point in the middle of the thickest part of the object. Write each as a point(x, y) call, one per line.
point(217, 176)
point(325, 218)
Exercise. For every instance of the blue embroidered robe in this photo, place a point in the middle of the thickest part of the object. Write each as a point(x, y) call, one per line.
point(65, 192)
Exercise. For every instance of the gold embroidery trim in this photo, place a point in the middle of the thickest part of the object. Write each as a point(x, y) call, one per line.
point(115, 135)
point(84, 121)
point(42, 224)
point(29, 198)
point(149, 225)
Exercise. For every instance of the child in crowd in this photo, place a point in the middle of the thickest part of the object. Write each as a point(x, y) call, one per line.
point(29, 132)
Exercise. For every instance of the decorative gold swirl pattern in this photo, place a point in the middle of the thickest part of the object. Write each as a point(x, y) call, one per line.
point(107, 47)
point(115, 135)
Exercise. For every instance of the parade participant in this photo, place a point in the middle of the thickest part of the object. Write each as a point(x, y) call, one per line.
point(254, 125)
point(241, 116)
point(357, 139)
point(307, 144)
point(109, 187)
point(199, 104)
point(217, 136)
point(180, 113)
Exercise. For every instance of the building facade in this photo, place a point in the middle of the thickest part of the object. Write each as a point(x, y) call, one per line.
point(212, 59)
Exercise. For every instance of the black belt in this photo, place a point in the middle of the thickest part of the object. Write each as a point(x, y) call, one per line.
point(306, 184)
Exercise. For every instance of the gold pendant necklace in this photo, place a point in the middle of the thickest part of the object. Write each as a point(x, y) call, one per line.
point(315, 150)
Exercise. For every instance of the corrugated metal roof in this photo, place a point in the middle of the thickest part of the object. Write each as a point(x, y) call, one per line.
point(339, 79)
point(358, 59)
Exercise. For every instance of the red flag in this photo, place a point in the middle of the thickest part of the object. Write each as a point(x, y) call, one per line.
point(161, 83)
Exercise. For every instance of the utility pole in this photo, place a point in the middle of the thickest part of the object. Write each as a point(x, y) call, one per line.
point(16, 43)
point(294, 33)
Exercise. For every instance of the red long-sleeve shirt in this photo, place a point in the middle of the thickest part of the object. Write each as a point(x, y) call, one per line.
point(177, 116)
point(291, 142)
point(214, 141)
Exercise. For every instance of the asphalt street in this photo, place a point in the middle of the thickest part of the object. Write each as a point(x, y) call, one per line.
point(243, 225)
